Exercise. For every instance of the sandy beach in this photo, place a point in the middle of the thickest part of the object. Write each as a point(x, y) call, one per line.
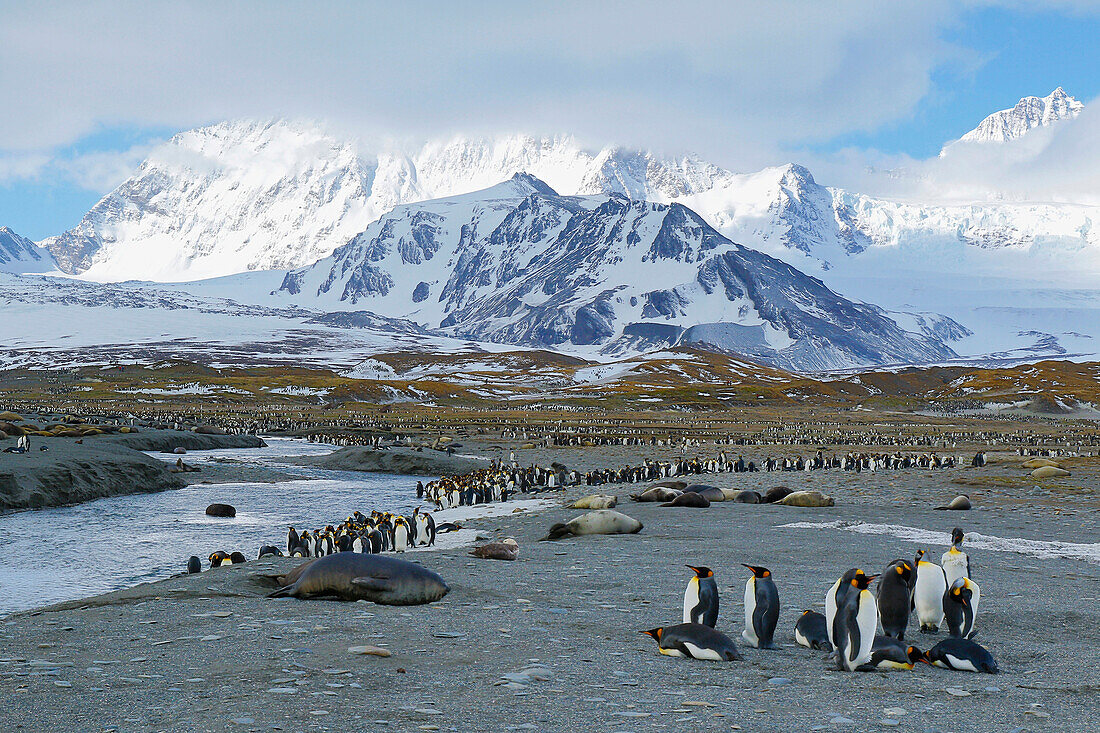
point(551, 642)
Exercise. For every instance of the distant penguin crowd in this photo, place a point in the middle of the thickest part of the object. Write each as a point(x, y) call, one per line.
point(863, 631)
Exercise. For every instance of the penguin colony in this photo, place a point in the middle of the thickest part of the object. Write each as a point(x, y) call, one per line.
point(863, 631)
point(374, 534)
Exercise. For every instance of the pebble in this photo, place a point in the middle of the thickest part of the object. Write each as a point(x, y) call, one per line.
point(428, 711)
point(282, 690)
point(62, 683)
point(779, 681)
point(958, 692)
point(841, 720)
point(374, 651)
point(895, 712)
point(889, 722)
point(1037, 713)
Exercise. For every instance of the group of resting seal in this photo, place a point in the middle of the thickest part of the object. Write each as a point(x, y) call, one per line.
point(680, 494)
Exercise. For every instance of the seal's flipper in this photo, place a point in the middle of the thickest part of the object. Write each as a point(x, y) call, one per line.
point(283, 592)
point(373, 583)
point(557, 532)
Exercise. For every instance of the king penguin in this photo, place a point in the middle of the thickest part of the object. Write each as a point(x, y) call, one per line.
point(928, 594)
point(956, 563)
point(888, 653)
point(696, 641)
point(895, 598)
point(701, 598)
point(962, 654)
point(292, 541)
point(834, 600)
point(812, 631)
point(761, 608)
point(960, 607)
point(857, 621)
point(194, 565)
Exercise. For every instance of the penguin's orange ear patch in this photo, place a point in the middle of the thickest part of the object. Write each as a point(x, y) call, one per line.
point(900, 570)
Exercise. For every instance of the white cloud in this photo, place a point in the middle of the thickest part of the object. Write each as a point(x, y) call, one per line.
point(737, 81)
point(1059, 163)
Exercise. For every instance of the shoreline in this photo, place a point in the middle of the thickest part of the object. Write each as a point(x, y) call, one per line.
point(100, 466)
point(210, 652)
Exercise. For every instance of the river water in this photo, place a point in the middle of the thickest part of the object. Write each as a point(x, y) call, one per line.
point(64, 553)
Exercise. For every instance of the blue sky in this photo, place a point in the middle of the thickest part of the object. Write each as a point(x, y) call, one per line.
point(743, 86)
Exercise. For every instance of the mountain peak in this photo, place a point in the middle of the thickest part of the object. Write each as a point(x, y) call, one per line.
point(537, 185)
point(1026, 115)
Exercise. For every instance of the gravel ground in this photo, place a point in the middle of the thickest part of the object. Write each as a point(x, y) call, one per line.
point(208, 652)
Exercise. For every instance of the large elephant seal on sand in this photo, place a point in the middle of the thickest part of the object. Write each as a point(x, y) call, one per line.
point(807, 499)
point(354, 576)
point(595, 501)
point(602, 521)
point(691, 499)
point(657, 493)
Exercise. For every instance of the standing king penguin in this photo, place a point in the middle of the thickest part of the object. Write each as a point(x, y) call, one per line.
point(701, 598)
point(956, 563)
point(928, 594)
point(761, 608)
point(834, 600)
point(895, 598)
point(857, 624)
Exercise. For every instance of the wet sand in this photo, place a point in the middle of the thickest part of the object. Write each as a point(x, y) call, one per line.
point(209, 652)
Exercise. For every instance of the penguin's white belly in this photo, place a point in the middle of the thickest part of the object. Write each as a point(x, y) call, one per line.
point(928, 594)
point(698, 652)
point(830, 612)
point(867, 619)
point(798, 637)
point(954, 566)
point(749, 634)
point(691, 599)
point(963, 664)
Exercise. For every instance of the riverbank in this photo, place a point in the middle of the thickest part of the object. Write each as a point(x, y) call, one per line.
point(101, 465)
point(210, 652)
point(405, 461)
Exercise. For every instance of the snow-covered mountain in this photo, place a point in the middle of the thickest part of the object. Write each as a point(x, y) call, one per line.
point(519, 264)
point(19, 254)
point(1029, 113)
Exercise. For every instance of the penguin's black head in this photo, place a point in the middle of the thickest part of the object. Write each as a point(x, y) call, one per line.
point(903, 569)
point(915, 655)
point(759, 572)
point(861, 581)
point(701, 571)
point(956, 536)
point(655, 633)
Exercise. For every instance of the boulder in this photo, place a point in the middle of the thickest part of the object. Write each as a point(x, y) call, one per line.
point(221, 510)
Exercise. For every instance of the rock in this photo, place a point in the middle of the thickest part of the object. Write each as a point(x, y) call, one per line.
point(779, 681)
point(807, 499)
point(374, 651)
point(220, 510)
point(958, 692)
point(179, 450)
point(595, 501)
point(959, 503)
point(1049, 472)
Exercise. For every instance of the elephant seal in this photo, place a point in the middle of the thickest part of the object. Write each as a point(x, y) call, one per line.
point(1039, 463)
point(504, 550)
point(670, 484)
point(602, 521)
point(595, 501)
point(806, 499)
point(959, 503)
point(354, 576)
point(698, 488)
point(712, 494)
point(220, 510)
point(1049, 472)
point(748, 497)
point(777, 493)
point(689, 499)
point(657, 493)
